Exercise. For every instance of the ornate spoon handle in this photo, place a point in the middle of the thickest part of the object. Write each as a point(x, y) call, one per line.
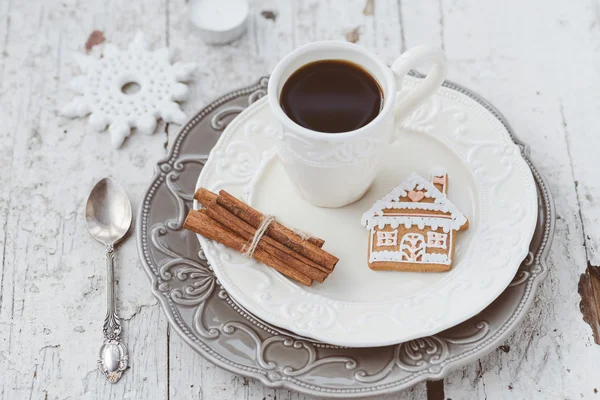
point(113, 358)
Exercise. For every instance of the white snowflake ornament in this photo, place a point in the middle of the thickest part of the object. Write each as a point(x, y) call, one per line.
point(102, 93)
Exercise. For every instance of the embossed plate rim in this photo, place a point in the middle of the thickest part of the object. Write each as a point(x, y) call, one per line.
point(450, 361)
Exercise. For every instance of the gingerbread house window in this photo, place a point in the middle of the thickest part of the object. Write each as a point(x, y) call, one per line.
point(436, 240)
point(387, 238)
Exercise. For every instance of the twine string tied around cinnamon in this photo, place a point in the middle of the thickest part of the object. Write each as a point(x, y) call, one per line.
point(249, 248)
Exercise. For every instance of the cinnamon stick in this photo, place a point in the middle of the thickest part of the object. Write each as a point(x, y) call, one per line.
point(244, 230)
point(205, 197)
point(230, 220)
point(277, 231)
point(256, 217)
point(199, 222)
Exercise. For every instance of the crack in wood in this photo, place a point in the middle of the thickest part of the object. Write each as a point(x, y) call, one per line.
point(480, 377)
point(168, 362)
point(137, 311)
point(441, 7)
point(6, 36)
point(167, 22)
point(33, 382)
point(49, 346)
point(255, 36)
point(401, 23)
point(7, 214)
point(166, 144)
point(4, 252)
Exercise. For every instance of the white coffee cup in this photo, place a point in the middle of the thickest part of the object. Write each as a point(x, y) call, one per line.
point(333, 170)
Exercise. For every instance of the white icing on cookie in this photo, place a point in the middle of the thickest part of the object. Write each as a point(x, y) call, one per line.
point(392, 201)
point(438, 171)
point(395, 256)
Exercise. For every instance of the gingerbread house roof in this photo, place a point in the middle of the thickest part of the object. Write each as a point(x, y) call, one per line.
point(376, 215)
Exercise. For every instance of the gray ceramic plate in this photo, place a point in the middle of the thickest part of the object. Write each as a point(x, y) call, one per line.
point(202, 312)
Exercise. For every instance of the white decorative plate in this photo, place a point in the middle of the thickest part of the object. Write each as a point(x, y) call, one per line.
point(489, 182)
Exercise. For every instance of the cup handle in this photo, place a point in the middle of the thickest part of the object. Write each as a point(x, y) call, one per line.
point(410, 59)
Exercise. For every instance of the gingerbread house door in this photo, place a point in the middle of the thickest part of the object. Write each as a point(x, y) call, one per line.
point(412, 247)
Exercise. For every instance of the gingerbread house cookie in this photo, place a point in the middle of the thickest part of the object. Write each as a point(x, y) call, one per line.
point(413, 227)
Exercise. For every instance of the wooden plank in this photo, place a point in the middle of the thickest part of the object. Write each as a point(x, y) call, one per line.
point(578, 107)
point(500, 55)
point(581, 137)
point(53, 286)
point(7, 139)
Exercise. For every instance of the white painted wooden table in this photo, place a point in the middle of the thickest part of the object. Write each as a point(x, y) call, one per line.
point(537, 61)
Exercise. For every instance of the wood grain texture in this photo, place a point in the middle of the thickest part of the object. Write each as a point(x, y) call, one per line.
point(536, 61)
point(510, 58)
point(53, 273)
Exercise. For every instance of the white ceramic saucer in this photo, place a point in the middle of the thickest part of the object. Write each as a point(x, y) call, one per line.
point(489, 182)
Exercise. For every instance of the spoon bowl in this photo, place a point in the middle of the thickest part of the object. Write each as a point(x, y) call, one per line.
point(108, 213)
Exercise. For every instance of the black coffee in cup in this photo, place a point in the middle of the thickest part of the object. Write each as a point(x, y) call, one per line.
point(331, 96)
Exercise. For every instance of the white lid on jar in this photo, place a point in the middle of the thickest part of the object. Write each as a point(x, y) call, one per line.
point(219, 21)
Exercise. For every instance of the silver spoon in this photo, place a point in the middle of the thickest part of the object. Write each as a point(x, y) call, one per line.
point(108, 218)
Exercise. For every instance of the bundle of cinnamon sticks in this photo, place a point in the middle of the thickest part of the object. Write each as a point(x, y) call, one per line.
point(233, 223)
